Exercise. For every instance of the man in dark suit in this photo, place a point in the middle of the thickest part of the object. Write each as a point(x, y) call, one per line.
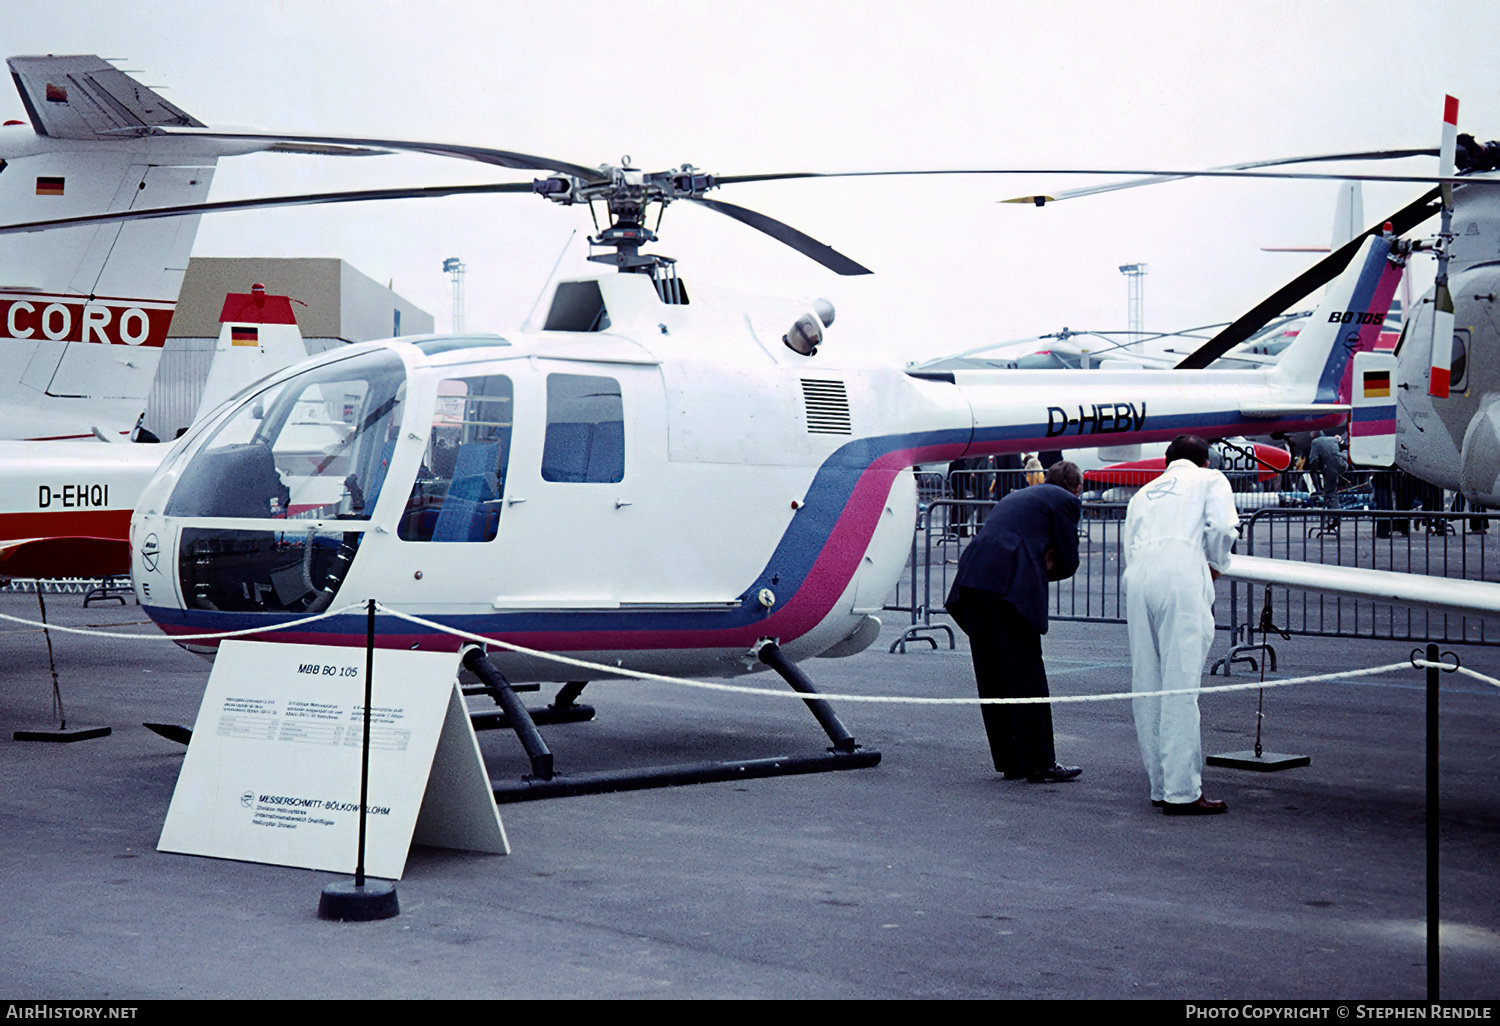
point(999, 599)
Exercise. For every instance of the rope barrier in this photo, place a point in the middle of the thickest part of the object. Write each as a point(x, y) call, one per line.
point(186, 637)
point(740, 689)
point(1450, 667)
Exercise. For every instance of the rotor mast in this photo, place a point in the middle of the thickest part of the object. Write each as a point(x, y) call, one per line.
point(627, 194)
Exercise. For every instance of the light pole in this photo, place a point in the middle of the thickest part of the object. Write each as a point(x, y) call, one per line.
point(454, 268)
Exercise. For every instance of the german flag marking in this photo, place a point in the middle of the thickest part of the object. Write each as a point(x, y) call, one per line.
point(242, 335)
point(1378, 385)
point(47, 186)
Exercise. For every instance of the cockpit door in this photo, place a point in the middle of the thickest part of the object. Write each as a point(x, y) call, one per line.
point(584, 492)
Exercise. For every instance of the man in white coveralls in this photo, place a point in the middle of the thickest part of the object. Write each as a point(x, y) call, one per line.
point(1178, 532)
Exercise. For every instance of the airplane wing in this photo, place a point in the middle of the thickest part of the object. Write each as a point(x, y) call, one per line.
point(83, 97)
point(1474, 598)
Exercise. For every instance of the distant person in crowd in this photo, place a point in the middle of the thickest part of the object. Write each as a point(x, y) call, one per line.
point(1009, 477)
point(1034, 472)
point(1177, 536)
point(1477, 525)
point(999, 599)
point(1326, 460)
point(1430, 497)
point(1392, 489)
point(969, 483)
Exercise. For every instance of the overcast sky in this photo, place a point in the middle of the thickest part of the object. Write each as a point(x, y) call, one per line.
point(767, 86)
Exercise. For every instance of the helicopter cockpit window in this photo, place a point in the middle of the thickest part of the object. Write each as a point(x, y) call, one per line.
point(458, 492)
point(585, 430)
point(316, 446)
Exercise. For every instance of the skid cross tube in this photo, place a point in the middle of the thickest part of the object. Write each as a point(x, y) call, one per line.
point(516, 715)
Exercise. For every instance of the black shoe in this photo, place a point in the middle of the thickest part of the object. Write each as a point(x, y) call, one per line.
point(1201, 807)
point(1157, 803)
point(1015, 775)
point(1053, 774)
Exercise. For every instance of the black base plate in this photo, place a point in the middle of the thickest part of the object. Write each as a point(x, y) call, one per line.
point(607, 781)
point(63, 735)
point(346, 902)
point(1266, 762)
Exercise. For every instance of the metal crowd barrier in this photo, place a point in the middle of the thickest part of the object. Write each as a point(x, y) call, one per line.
point(1434, 543)
point(63, 586)
point(946, 526)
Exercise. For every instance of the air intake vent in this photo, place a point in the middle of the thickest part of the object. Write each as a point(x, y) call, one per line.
point(827, 407)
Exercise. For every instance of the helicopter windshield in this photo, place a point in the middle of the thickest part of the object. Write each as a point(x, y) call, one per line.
point(316, 446)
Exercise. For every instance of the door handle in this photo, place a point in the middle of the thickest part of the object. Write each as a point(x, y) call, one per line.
point(513, 501)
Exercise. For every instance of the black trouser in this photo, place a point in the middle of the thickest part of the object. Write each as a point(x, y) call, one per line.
point(1007, 653)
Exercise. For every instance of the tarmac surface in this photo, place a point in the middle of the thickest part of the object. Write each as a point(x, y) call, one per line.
point(927, 876)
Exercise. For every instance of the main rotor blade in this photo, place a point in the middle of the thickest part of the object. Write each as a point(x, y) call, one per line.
point(785, 233)
point(1313, 176)
point(500, 158)
point(1320, 274)
point(1250, 165)
point(307, 199)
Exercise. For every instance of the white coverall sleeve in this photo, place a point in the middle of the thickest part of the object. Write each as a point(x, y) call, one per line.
point(1220, 522)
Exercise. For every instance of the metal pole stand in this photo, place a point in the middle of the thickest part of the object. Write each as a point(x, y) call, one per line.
point(360, 900)
point(63, 732)
point(1259, 758)
point(1433, 918)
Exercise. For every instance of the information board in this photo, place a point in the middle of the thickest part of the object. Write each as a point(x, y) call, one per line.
point(272, 773)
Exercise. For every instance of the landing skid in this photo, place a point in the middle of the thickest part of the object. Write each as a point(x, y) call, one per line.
point(545, 782)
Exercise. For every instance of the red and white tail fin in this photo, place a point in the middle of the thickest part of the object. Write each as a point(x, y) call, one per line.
point(84, 311)
point(1442, 321)
point(259, 336)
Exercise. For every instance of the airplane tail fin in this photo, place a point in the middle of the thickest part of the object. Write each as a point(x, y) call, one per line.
point(259, 336)
point(85, 311)
point(1348, 319)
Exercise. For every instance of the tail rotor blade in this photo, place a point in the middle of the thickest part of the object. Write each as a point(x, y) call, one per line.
point(1442, 319)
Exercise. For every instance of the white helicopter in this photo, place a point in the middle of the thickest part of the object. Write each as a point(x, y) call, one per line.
point(530, 488)
point(549, 488)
